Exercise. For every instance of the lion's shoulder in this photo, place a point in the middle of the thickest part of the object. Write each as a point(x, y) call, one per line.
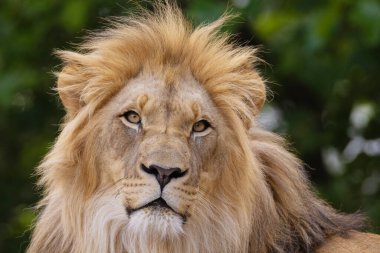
point(355, 242)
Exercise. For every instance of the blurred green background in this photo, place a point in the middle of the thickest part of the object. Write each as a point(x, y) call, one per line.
point(324, 72)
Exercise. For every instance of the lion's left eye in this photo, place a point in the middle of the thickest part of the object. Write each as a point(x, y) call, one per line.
point(201, 126)
point(132, 117)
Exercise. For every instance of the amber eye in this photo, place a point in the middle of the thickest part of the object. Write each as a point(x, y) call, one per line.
point(132, 117)
point(201, 126)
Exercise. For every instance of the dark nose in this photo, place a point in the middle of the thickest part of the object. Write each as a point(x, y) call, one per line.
point(163, 175)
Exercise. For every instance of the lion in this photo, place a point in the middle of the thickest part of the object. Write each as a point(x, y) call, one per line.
point(160, 151)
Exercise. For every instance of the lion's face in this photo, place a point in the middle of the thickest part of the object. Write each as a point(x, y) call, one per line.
point(154, 153)
point(160, 133)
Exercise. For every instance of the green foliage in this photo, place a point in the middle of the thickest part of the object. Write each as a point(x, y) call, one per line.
point(324, 76)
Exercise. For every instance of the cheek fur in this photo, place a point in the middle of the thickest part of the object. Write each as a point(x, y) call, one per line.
point(204, 146)
point(122, 139)
point(121, 145)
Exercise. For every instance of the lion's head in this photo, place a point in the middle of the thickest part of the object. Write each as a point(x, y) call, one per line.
point(159, 151)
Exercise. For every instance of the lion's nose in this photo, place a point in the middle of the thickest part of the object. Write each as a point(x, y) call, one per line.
point(163, 175)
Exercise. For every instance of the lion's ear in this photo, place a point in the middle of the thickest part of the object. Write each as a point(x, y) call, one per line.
point(259, 96)
point(71, 81)
point(254, 94)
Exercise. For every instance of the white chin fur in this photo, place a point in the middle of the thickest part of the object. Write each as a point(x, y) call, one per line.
point(148, 230)
point(156, 224)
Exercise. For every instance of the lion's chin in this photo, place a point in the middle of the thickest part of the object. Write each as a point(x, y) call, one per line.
point(157, 222)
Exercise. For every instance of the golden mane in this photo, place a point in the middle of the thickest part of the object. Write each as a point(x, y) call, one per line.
point(262, 200)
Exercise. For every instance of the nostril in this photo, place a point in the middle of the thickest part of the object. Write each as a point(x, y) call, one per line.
point(163, 175)
point(150, 170)
point(178, 173)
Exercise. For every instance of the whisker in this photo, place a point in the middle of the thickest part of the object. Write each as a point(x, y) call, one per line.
point(105, 189)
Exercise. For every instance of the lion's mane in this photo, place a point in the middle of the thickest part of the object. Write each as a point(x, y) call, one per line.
point(262, 200)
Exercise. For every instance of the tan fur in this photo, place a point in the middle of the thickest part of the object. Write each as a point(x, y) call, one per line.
point(242, 191)
point(357, 242)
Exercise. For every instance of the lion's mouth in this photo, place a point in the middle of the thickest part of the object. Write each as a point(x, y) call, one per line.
point(158, 205)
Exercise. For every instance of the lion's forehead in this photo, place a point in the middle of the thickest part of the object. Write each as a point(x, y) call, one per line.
point(184, 97)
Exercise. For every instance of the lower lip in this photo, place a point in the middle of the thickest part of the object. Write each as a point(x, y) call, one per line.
point(157, 205)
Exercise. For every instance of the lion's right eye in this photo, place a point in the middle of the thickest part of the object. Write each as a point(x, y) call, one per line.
point(132, 120)
point(201, 126)
point(132, 117)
